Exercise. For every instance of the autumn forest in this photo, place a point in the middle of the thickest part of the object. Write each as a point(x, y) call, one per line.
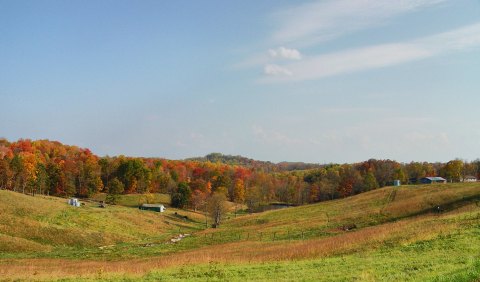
point(52, 168)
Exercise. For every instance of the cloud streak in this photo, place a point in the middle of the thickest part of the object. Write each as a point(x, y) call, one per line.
point(285, 53)
point(270, 56)
point(379, 56)
point(321, 21)
point(273, 69)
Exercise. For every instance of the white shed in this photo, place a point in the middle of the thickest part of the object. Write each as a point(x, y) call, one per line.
point(152, 207)
point(74, 202)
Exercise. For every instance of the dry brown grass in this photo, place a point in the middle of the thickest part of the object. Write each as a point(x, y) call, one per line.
point(15, 244)
point(418, 199)
point(401, 232)
point(367, 210)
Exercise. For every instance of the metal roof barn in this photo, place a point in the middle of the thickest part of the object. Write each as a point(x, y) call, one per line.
point(152, 207)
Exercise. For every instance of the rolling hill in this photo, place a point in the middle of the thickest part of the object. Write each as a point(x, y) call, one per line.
point(251, 163)
point(44, 226)
point(410, 233)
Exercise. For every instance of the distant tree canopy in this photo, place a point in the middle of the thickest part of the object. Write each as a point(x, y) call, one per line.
point(51, 168)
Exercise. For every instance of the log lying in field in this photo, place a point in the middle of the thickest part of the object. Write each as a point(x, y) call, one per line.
point(348, 227)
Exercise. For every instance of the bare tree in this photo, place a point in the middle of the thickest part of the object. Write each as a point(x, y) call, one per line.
point(217, 208)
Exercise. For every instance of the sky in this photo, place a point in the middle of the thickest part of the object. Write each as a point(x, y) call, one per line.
point(314, 81)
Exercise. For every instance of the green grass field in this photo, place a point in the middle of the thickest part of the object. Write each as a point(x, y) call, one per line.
point(400, 236)
point(134, 200)
point(47, 227)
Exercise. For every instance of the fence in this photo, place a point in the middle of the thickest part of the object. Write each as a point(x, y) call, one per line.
point(270, 236)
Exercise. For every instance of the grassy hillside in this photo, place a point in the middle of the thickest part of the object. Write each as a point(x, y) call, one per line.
point(47, 227)
point(367, 209)
point(400, 236)
point(134, 200)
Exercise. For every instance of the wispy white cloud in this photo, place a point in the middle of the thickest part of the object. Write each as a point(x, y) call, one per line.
point(353, 60)
point(270, 56)
point(325, 20)
point(276, 70)
point(285, 53)
point(378, 56)
point(318, 21)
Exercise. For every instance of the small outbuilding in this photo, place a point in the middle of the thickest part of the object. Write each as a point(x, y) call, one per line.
point(152, 207)
point(469, 178)
point(74, 202)
point(432, 180)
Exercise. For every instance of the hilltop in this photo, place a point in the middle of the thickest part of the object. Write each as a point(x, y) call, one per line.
point(251, 163)
point(427, 232)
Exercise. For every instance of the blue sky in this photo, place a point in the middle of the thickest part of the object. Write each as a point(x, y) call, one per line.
point(314, 81)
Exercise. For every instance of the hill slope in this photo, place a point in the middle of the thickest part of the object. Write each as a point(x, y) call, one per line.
point(367, 209)
point(399, 235)
point(47, 226)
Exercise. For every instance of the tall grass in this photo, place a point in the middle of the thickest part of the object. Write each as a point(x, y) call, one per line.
point(375, 253)
point(398, 238)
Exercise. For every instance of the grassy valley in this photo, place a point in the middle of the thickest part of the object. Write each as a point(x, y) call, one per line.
point(420, 233)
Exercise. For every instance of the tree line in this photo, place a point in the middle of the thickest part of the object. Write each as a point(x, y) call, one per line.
point(52, 168)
